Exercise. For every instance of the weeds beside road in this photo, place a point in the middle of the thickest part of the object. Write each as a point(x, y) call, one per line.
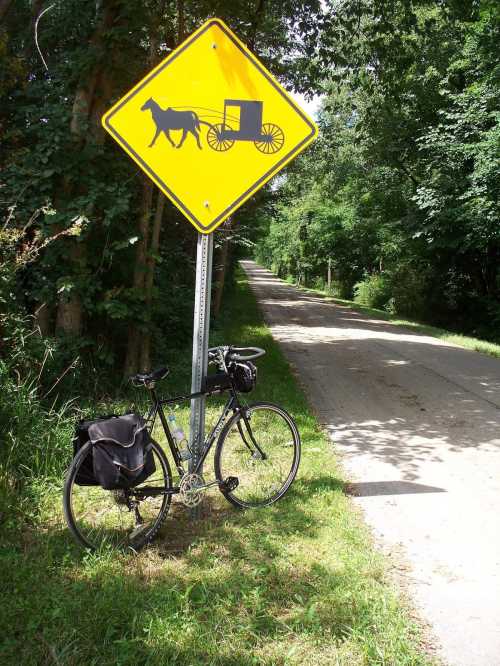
point(297, 583)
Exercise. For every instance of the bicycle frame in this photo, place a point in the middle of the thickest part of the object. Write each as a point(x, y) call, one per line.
point(233, 404)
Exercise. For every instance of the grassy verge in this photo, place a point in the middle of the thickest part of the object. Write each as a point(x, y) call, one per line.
point(297, 583)
point(474, 344)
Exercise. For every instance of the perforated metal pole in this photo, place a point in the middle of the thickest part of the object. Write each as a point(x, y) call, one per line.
point(201, 329)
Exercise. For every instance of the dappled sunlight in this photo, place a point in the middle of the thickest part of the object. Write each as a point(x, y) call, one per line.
point(391, 362)
point(402, 400)
point(415, 422)
point(310, 332)
point(281, 576)
point(400, 446)
point(297, 582)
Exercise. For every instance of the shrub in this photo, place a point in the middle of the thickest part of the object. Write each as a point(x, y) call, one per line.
point(36, 444)
point(319, 283)
point(340, 289)
point(409, 286)
point(373, 291)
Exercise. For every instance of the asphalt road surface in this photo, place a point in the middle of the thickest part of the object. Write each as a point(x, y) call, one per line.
point(416, 422)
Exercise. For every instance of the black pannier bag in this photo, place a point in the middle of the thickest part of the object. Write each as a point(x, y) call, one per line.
point(244, 376)
point(85, 476)
point(122, 453)
point(220, 381)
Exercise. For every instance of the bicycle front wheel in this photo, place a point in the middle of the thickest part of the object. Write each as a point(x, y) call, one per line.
point(116, 518)
point(260, 446)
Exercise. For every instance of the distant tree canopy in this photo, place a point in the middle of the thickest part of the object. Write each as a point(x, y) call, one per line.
point(401, 192)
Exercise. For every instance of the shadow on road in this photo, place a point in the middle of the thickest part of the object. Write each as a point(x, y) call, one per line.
point(377, 488)
point(383, 391)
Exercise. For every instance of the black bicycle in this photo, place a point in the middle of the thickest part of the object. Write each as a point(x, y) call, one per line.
point(256, 459)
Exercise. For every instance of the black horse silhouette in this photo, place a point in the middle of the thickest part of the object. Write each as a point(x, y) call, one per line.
point(168, 119)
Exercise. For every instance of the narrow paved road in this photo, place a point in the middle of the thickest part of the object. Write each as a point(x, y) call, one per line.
point(417, 424)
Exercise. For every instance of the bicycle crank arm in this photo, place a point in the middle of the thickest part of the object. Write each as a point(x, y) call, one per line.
point(229, 484)
point(142, 493)
point(204, 486)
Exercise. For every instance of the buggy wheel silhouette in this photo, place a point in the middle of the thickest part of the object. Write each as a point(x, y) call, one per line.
point(273, 140)
point(216, 139)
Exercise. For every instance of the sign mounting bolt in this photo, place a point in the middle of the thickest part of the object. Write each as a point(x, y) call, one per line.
point(206, 204)
point(214, 45)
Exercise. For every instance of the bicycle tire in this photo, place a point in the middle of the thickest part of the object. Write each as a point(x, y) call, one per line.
point(148, 535)
point(230, 464)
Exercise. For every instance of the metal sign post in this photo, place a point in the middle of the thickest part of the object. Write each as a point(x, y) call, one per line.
point(201, 329)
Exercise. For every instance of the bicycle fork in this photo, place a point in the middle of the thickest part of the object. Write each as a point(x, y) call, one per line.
point(262, 455)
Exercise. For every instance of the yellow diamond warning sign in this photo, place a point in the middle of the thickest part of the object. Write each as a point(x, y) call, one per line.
point(210, 125)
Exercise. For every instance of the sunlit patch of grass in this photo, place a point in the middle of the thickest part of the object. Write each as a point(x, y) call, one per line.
point(296, 583)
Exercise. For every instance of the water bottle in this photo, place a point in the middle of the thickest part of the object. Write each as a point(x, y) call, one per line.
point(180, 437)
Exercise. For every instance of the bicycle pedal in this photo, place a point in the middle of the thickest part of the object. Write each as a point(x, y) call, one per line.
point(230, 484)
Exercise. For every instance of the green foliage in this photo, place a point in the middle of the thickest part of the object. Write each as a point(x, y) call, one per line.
point(34, 451)
point(410, 286)
point(58, 170)
point(401, 292)
point(374, 291)
point(403, 181)
point(72, 206)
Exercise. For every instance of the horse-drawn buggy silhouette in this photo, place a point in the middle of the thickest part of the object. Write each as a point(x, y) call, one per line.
point(267, 138)
point(245, 115)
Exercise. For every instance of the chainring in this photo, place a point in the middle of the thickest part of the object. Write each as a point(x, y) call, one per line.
point(190, 489)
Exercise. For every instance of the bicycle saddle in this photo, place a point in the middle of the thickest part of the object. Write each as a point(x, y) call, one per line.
point(147, 377)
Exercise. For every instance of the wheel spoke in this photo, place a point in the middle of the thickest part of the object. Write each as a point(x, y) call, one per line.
point(216, 140)
point(261, 481)
point(99, 517)
point(274, 139)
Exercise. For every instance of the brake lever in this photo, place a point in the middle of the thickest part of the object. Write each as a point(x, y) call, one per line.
point(223, 353)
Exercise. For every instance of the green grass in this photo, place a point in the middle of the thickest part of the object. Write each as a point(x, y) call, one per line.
point(474, 344)
point(297, 583)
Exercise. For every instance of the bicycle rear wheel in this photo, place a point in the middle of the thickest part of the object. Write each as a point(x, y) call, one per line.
point(260, 446)
point(116, 518)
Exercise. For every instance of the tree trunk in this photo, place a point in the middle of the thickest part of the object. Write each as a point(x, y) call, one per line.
point(4, 7)
point(136, 355)
point(257, 18)
point(36, 9)
point(69, 313)
point(220, 271)
point(85, 95)
point(134, 333)
point(180, 21)
point(69, 316)
point(145, 363)
point(100, 102)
